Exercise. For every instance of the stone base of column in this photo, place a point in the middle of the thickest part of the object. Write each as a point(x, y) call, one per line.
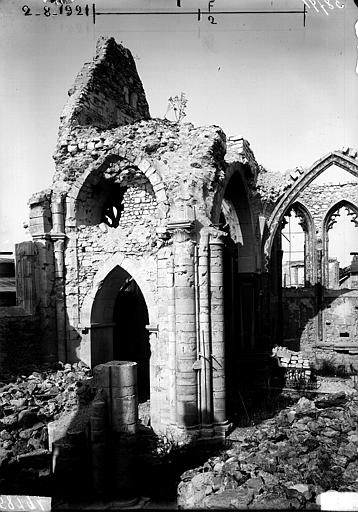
point(216, 432)
point(222, 429)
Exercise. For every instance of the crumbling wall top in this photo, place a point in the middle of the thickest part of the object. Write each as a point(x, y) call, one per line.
point(107, 91)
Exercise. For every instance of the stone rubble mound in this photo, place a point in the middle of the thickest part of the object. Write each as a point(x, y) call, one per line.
point(27, 406)
point(285, 462)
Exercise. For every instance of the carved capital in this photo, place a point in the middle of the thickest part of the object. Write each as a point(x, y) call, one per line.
point(217, 237)
point(180, 230)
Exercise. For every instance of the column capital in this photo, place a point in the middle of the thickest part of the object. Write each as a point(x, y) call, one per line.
point(185, 225)
point(217, 236)
point(181, 230)
point(58, 196)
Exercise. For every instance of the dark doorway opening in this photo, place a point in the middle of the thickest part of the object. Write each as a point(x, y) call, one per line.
point(118, 326)
point(130, 336)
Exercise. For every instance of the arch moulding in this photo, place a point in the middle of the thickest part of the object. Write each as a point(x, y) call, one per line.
point(219, 195)
point(136, 270)
point(343, 203)
point(102, 163)
point(338, 158)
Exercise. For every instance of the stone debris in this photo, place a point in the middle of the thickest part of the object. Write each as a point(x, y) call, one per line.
point(29, 406)
point(297, 366)
point(285, 462)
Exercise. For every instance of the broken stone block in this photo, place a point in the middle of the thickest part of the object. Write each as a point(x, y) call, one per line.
point(332, 400)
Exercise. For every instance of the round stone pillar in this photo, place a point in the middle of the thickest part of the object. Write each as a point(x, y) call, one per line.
point(171, 338)
point(185, 326)
point(204, 330)
point(118, 382)
point(217, 325)
point(118, 379)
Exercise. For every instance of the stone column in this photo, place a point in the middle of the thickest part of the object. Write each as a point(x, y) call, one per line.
point(185, 327)
point(319, 296)
point(118, 381)
point(171, 339)
point(58, 239)
point(204, 330)
point(217, 325)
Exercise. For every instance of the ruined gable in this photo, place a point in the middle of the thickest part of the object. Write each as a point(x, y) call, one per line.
point(107, 91)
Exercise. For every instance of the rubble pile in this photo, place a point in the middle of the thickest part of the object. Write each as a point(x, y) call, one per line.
point(28, 405)
point(284, 462)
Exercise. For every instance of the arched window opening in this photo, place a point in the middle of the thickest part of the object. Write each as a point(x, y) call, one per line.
point(342, 241)
point(293, 243)
point(113, 207)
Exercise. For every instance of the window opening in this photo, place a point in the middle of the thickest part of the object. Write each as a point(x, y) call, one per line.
point(293, 250)
point(113, 208)
point(342, 237)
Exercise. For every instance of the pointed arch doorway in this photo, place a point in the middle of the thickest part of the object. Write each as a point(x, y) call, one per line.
point(119, 317)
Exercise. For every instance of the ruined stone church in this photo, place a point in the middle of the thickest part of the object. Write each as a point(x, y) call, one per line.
point(161, 243)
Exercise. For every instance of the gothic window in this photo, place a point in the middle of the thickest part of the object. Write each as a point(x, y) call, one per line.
point(293, 244)
point(341, 240)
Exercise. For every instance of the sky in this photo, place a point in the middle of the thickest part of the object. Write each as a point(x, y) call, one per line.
point(290, 90)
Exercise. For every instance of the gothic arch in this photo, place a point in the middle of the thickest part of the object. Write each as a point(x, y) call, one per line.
point(347, 162)
point(305, 216)
point(232, 198)
point(221, 190)
point(307, 224)
point(100, 165)
point(353, 208)
point(138, 273)
point(328, 222)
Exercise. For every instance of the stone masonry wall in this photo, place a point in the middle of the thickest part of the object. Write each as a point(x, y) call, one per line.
point(135, 235)
point(299, 322)
point(107, 92)
point(27, 330)
point(318, 199)
point(188, 160)
point(341, 320)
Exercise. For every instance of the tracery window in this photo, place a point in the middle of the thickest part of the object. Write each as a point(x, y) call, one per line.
point(294, 231)
point(341, 239)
